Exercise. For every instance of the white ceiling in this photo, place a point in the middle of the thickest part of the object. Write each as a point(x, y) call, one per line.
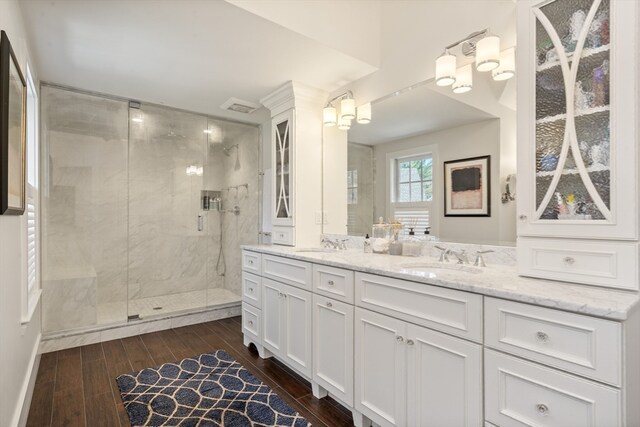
point(413, 112)
point(190, 54)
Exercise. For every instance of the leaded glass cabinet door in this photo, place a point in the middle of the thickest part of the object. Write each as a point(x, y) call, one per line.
point(282, 158)
point(576, 135)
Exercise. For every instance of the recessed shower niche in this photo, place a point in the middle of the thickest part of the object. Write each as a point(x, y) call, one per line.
point(126, 234)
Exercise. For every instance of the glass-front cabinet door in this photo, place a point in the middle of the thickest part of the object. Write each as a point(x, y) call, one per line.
point(282, 158)
point(577, 137)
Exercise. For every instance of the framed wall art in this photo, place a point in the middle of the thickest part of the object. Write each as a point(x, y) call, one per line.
point(13, 89)
point(467, 187)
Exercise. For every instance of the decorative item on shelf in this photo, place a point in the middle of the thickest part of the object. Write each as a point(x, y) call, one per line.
point(599, 154)
point(548, 163)
point(13, 89)
point(381, 233)
point(466, 187)
point(600, 86)
point(395, 247)
point(509, 194)
point(583, 99)
point(576, 22)
point(488, 57)
point(348, 112)
point(599, 31)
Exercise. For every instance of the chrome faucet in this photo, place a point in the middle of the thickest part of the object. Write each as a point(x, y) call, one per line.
point(461, 255)
point(444, 254)
point(342, 245)
point(328, 243)
point(480, 259)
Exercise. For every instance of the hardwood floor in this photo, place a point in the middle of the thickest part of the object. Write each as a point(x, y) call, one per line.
point(76, 387)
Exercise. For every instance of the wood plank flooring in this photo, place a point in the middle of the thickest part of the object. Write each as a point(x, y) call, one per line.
point(76, 387)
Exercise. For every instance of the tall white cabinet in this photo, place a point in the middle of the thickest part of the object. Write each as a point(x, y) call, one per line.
point(296, 163)
point(577, 141)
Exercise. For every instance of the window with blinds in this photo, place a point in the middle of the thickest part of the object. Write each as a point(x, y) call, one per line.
point(412, 217)
point(32, 291)
point(31, 240)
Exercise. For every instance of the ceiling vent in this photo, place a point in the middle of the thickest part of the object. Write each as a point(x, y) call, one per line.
point(240, 106)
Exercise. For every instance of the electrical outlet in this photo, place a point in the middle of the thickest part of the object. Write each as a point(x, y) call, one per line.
point(319, 215)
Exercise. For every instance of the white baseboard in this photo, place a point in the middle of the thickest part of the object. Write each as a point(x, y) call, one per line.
point(21, 412)
point(91, 336)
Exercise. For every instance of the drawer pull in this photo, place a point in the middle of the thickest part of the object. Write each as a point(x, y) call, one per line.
point(522, 217)
point(250, 322)
point(250, 261)
point(330, 283)
point(569, 260)
point(409, 342)
point(542, 409)
point(329, 305)
point(399, 339)
point(542, 337)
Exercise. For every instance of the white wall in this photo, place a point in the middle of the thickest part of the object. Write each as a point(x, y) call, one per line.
point(473, 140)
point(18, 343)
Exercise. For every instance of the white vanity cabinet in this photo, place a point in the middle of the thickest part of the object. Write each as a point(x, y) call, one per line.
point(410, 375)
point(577, 141)
point(287, 319)
point(404, 353)
point(333, 347)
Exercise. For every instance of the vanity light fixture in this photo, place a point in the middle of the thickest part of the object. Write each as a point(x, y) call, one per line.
point(137, 116)
point(208, 131)
point(485, 47)
point(464, 79)
point(348, 112)
point(507, 67)
point(364, 113)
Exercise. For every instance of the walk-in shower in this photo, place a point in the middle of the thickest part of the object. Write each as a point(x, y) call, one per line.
point(127, 230)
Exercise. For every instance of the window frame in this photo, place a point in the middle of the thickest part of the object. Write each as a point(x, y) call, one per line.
point(31, 294)
point(354, 186)
point(398, 181)
point(392, 179)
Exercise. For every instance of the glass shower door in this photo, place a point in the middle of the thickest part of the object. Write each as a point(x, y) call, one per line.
point(168, 237)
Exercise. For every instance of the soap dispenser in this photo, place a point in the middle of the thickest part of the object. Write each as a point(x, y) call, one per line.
point(367, 245)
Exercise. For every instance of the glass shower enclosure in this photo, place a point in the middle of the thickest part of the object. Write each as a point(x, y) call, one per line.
point(144, 209)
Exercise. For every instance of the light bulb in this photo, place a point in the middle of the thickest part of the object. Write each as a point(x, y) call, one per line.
point(464, 79)
point(348, 108)
point(329, 116)
point(364, 114)
point(445, 69)
point(344, 124)
point(488, 53)
point(507, 67)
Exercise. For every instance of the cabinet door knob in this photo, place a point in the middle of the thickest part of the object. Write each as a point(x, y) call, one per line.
point(250, 261)
point(569, 260)
point(330, 283)
point(522, 217)
point(250, 322)
point(542, 409)
point(329, 305)
point(250, 289)
point(409, 342)
point(542, 336)
point(399, 339)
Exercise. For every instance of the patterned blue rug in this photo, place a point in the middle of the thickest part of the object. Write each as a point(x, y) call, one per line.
point(208, 390)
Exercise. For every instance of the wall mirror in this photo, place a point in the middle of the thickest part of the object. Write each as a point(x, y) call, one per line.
point(394, 168)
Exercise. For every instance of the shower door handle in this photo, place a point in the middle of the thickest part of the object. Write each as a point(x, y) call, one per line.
point(200, 223)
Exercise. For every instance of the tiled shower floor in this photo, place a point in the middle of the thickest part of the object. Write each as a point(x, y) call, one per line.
point(117, 312)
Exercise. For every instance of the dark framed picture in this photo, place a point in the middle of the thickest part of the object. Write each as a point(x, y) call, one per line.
point(467, 189)
point(13, 88)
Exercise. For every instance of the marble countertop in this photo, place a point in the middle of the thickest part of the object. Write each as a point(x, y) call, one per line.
point(500, 281)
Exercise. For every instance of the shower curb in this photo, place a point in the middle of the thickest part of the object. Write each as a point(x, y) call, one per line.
point(69, 339)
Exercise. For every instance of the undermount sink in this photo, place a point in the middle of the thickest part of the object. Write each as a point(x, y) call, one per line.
point(435, 267)
point(327, 250)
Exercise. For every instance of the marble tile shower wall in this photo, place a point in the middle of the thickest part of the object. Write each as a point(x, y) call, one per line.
point(120, 217)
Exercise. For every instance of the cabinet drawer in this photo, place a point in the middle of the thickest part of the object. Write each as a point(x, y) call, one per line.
point(333, 282)
point(251, 262)
point(455, 312)
point(252, 289)
point(290, 271)
point(521, 393)
point(251, 318)
point(585, 345)
point(285, 236)
point(610, 264)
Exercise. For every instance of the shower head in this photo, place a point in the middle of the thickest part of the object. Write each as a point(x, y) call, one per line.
point(227, 150)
